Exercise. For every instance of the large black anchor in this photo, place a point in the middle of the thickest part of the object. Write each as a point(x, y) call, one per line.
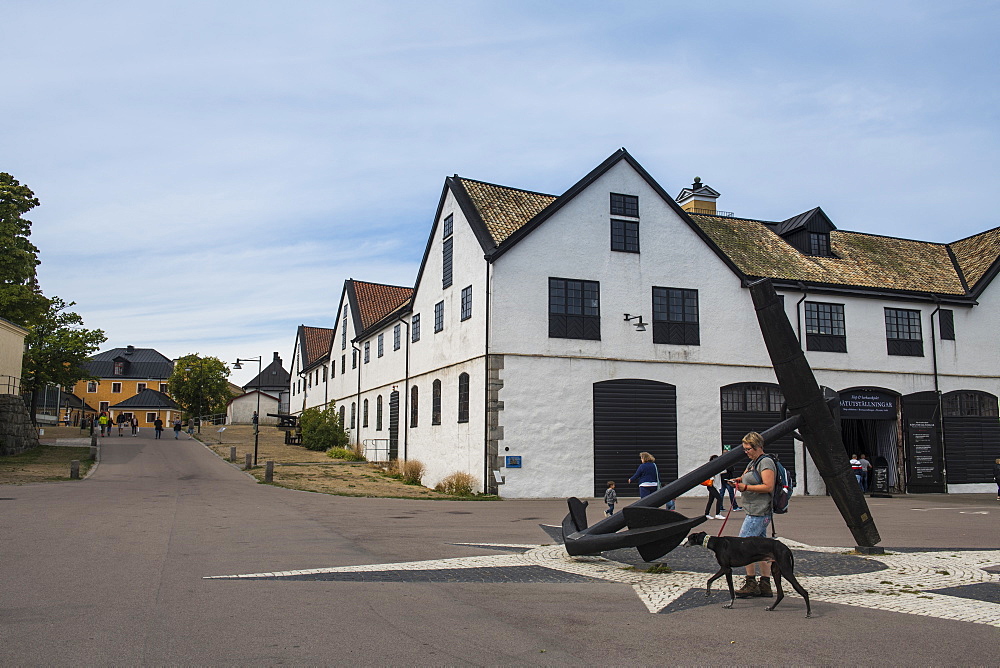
point(654, 531)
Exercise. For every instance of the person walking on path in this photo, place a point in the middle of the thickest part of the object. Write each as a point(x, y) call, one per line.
point(996, 475)
point(103, 421)
point(866, 467)
point(757, 486)
point(158, 426)
point(177, 428)
point(610, 498)
point(856, 469)
point(713, 495)
point(646, 475)
point(135, 426)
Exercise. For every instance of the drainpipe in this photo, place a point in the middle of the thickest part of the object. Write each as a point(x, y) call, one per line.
point(937, 393)
point(357, 409)
point(798, 315)
point(798, 327)
point(406, 391)
point(487, 468)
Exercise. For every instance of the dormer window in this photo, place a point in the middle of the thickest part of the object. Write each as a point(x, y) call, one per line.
point(119, 368)
point(819, 244)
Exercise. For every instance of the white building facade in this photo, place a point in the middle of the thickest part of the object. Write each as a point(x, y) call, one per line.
point(511, 357)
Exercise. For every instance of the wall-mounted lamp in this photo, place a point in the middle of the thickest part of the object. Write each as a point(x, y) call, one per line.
point(639, 326)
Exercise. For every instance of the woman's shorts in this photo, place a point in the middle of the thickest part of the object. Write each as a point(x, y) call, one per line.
point(755, 526)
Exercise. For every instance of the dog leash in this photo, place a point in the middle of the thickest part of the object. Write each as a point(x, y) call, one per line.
point(725, 520)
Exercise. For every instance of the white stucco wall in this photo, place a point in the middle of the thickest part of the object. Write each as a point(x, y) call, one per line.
point(240, 409)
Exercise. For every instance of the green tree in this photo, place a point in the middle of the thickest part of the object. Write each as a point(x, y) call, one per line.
point(200, 385)
point(56, 348)
point(321, 429)
point(21, 301)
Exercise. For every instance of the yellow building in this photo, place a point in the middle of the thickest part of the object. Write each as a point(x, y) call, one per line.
point(11, 356)
point(124, 373)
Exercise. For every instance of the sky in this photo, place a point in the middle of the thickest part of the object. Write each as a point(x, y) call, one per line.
point(211, 172)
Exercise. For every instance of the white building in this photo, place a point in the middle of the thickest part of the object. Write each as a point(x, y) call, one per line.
point(548, 340)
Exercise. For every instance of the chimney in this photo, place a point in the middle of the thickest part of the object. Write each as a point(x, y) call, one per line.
point(699, 198)
point(129, 350)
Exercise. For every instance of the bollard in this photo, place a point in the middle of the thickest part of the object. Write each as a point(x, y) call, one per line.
point(74, 469)
point(269, 472)
point(93, 452)
point(249, 464)
point(93, 441)
point(232, 453)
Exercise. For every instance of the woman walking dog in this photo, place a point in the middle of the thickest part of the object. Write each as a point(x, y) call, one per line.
point(757, 486)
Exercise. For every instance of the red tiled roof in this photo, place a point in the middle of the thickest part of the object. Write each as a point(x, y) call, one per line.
point(315, 343)
point(376, 301)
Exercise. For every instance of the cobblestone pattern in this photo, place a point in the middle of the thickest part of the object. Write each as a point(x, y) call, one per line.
point(947, 584)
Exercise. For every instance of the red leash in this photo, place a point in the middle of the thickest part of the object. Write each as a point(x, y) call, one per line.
point(725, 520)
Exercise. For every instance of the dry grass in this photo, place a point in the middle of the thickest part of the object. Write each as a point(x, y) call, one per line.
point(309, 470)
point(45, 463)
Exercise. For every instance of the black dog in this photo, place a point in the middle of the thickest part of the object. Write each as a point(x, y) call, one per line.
point(730, 552)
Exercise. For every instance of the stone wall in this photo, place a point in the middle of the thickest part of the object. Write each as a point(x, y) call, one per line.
point(17, 434)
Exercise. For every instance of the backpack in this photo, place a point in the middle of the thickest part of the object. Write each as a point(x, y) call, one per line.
point(782, 487)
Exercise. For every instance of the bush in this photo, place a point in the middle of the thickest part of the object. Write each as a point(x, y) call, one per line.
point(321, 429)
point(412, 471)
point(345, 454)
point(457, 484)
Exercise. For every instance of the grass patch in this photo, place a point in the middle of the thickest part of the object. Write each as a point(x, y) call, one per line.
point(659, 569)
point(46, 463)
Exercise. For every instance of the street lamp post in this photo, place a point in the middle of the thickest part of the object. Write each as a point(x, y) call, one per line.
point(256, 424)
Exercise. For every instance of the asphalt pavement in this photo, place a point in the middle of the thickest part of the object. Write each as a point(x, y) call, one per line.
point(122, 569)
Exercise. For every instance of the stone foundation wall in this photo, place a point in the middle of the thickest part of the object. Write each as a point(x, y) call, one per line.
point(17, 434)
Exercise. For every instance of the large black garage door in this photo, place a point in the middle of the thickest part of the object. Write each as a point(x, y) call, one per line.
point(971, 436)
point(750, 407)
point(632, 416)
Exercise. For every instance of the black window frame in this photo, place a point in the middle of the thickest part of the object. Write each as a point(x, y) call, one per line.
point(466, 302)
point(381, 345)
point(625, 235)
point(354, 358)
point(826, 327)
point(439, 317)
point(396, 336)
point(570, 317)
point(436, 402)
point(364, 414)
point(414, 403)
point(904, 336)
point(819, 244)
point(448, 226)
point(463, 397)
point(378, 413)
point(447, 262)
point(343, 334)
point(674, 321)
point(415, 327)
point(354, 413)
point(367, 351)
point(946, 324)
point(624, 205)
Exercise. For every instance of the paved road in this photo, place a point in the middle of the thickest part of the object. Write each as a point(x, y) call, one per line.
point(111, 571)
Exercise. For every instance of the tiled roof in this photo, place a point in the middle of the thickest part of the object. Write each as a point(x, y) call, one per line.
point(976, 254)
point(140, 363)
point(504, 210)
point(148, 399)
point(376, 301)
point(863, 260)
point(315, 344)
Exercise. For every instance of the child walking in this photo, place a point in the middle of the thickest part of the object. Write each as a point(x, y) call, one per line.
point(610, 498)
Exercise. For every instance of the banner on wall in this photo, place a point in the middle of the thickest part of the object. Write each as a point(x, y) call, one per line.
point(868, 405)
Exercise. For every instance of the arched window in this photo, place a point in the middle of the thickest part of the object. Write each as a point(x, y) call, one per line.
point(378, 413)
point(436, 402)
point(364, 414)
point(463, 397)
point(354, 412)
point(343, 414)
point(414, 396)
point(969, 404)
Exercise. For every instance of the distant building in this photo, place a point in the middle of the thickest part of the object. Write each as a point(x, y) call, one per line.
point(273, 385)
point(123, 373)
